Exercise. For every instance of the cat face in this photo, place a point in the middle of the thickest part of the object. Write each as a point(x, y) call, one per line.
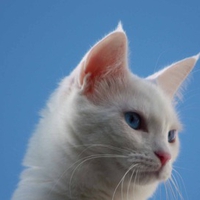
point(130, 120)
point(106, 128)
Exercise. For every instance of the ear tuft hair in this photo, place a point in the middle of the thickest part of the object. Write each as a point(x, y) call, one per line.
point(119, 27)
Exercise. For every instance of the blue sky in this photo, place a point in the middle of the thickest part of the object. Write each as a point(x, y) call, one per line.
point(42, 41)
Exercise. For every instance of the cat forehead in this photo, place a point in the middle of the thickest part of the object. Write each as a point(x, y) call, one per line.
point(145, 97)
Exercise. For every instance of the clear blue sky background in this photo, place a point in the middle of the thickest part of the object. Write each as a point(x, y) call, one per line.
point(42, 41)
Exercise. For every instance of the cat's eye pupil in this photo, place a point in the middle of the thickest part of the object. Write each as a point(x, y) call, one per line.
point(171, 136)
point(133, 120)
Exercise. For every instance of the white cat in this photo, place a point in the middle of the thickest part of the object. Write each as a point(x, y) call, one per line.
point(105, 134)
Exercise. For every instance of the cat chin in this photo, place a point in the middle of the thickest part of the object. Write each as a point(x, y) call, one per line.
point(164, 173)
point(145, 178)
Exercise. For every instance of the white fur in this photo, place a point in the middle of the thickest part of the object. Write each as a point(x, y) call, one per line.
point(83, 147)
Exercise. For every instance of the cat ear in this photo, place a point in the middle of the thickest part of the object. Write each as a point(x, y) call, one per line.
point(107, 59)
point(171, 78)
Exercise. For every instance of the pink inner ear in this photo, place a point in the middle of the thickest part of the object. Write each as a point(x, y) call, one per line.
point(107, 59)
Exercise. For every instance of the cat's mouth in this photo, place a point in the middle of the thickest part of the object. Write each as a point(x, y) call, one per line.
point(162, 174)
point(147, 176)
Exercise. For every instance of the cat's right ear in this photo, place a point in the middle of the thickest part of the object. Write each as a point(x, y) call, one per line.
point(172, 77)
point(106, 60)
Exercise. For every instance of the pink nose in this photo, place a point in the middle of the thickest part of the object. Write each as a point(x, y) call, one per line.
point(164, 157)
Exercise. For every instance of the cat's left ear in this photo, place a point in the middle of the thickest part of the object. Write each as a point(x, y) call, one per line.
point(106, 60)
point(171, 78)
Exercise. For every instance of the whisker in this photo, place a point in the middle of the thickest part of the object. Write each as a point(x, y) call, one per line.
point(171, 189)
point(179, 168)
point(122, 189)
point(175, 182)
point(90, 158)
point(176, 187)
point(128, 188)
point(182, 182)
point(106, 146)
point(135, 179)
point(157, 61)
point(81, 161)
point(131, 167)
point(166, 190)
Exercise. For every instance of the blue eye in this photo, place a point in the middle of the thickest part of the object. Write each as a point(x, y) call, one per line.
point(171, 136)
point(133, 120)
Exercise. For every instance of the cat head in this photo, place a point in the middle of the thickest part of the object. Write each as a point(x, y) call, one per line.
point(115, 113)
